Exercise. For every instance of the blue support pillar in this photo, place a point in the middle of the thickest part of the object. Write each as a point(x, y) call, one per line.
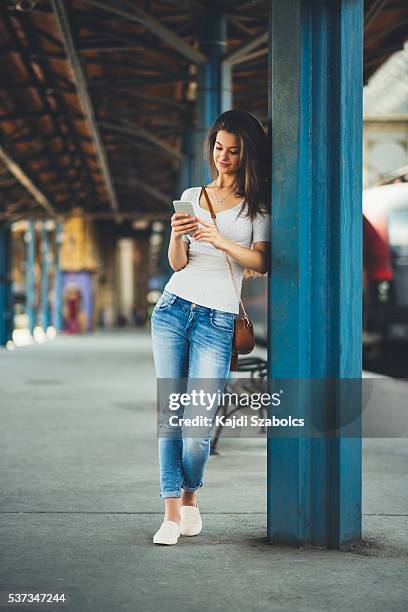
point(6, 294)
point(30, 277)
point(57, 312)
point(213, 83)
point(315, 108)
point(45, 309)
point(226, 87)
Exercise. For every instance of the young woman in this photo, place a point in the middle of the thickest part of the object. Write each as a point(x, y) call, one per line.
point(193, 321)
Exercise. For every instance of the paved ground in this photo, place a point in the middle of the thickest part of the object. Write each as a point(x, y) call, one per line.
point(80, 502)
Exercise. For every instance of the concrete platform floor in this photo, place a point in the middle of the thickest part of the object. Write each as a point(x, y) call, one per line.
point(80, 501)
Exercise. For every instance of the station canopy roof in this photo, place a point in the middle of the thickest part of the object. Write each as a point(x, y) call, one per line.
point(96, 95)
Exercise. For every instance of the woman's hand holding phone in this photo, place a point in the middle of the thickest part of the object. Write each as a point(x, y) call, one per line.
point(182, 223)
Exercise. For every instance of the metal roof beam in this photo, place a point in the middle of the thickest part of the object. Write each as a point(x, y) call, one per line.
point(92, 20)
point(238, 55)
point(84, 97)
point(120, 42)
point(255, 55)
point(139, 132)
point(16, 170)
point(106, 48)
point(135, 13)
point(146, 187)
point(239, 26)
point(135, 63)
point(165, 102)
point(372, 13)
point(101, 82)
point(394, 26)
point(124, 142)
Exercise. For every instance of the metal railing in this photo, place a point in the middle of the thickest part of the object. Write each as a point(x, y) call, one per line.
point(257, 369)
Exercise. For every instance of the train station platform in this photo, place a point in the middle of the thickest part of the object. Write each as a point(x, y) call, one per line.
point(80, 500)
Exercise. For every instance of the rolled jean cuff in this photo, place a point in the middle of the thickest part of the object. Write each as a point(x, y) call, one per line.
point(191, 489)
point(165, 494)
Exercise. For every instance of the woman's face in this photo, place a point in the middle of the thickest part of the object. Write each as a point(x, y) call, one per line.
point(226, 152)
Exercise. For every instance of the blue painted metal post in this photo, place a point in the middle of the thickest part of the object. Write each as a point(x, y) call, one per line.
point(314, 483)
point(213, 83)
point(226, 86)
point(45, 309)
point(6, 294)
point(58, 315)
point(30, 277)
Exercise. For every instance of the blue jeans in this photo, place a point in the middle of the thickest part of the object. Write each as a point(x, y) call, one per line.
point(190, 342)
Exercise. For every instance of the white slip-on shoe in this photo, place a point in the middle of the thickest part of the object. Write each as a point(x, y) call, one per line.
point(168, 533)
point(191, 523)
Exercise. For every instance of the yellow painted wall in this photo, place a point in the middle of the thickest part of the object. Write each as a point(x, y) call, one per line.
point(78, 251)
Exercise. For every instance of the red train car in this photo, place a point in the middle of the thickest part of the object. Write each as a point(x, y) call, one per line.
point(385, 312)
point(385, 269)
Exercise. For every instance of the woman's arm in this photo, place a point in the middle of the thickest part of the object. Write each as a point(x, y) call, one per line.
point(177, 253)
point(257, 258)
point(181, 224)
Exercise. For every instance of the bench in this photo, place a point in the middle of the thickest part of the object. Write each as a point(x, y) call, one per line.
point(257, 368)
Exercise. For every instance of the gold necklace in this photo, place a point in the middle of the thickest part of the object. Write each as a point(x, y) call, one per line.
point(224, 198)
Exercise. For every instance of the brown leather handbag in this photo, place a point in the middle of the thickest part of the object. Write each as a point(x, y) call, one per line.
point(243, 341)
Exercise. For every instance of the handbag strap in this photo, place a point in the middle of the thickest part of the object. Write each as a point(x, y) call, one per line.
point(234, 282)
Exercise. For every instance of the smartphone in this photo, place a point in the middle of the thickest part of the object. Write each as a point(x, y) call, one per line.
point(183, 206)
point(186, 207)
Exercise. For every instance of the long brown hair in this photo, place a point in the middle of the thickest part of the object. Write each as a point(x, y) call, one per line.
point(252, 179)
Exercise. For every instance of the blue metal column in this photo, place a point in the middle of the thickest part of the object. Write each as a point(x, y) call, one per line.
point(45, 309)
point(58, 315)
point(226, 87)
point(314, 483)
point(6, 294)
point(30, 276)
point(213, 83)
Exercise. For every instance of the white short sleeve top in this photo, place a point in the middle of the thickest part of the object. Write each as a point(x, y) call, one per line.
point(206, 279)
